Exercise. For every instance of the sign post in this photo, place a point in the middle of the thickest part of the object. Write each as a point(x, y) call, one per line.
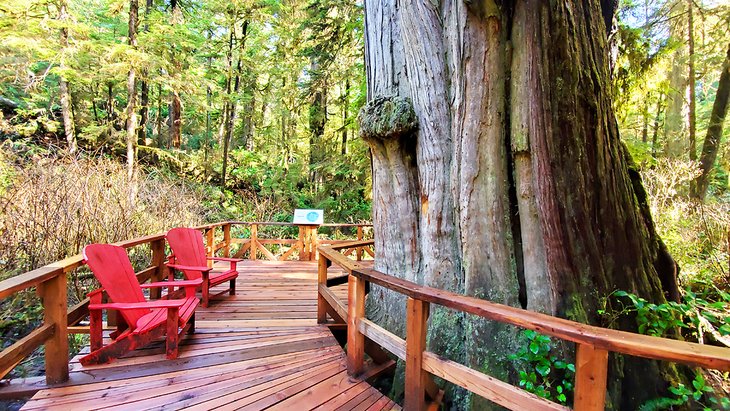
point(308, 220)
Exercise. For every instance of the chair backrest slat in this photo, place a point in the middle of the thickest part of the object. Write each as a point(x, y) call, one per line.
point(187, 245)
point(110, 265)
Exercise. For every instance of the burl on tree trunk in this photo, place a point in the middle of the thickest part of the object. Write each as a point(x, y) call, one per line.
point(498, 172)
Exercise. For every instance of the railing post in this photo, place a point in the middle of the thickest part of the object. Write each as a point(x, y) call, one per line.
point(591, 367)
point(416, 377)
point(227, 240)
point(55, 304)
point(254, 242)
point(158, 259)
point(358, 252)
point(355, 311)
point(321, 281)
point(209, 238)
point(314, 242)
point(304, 254)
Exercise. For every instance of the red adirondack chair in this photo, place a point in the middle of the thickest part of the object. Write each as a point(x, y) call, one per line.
point(140, 321)
point(188, 255)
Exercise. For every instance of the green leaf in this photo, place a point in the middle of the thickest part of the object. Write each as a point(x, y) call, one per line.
point(543, 369)
point(534, 347)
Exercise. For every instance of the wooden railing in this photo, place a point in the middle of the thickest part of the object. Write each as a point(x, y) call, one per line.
point(59, 319)
point(592, 343)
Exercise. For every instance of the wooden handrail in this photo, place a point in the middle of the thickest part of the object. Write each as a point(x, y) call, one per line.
point(50, 281)
point(593, 343)
point(639, 345)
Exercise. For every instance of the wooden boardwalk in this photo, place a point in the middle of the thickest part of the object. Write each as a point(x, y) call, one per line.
point(260, 349)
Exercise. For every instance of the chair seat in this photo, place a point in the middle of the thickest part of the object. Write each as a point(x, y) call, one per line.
point(159, 315)
point(217, 278)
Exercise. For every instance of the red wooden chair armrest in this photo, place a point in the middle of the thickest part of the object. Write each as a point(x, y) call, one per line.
point(230, 260)
point(134, 306)
point(178, 283)
point(189, 267)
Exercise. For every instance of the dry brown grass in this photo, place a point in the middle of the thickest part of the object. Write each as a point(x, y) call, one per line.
point(52, 207)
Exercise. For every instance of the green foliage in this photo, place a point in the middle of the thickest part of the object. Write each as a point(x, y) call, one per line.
point(698, 396)
point(542, 372)
point(702, 314)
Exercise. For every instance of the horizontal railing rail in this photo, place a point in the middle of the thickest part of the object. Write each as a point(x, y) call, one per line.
point(592, 343)
point(59, 319)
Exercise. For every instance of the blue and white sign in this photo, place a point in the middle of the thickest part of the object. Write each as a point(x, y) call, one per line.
point(308, 217)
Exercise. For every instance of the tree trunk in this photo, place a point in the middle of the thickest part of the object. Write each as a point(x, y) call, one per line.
point(655, 129)
point(345, 114)
point(131, 137)
point(692, 115)
point(144, 110)
point(176, 120)
point(317, 120)
point(232, 95)
point(158, 118)
point(66, 102)
point(176, 104)
point(674, 118)
point(514, 186)
point(714, 131)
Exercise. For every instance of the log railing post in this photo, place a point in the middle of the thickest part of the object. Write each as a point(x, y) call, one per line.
point(304, 253)
point(209, 238)
point(227, 240)
point(358, 252)
point(55, 304)
point(355, 312)
point(158, 259)
point(321, 281)
point(314, 242)
point(591, 366)
point(416, 377)
point(254, 242)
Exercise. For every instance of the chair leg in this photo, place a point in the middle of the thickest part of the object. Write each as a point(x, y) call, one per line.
point(172, 336)
point(206, 289)
point(232, 288)
point(191, 323)
point(206, 296)
point(95, 329)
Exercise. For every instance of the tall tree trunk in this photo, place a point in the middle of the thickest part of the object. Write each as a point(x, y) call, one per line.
point(144, 110)
point(674, 117)
point(345, 114)
point(714, 131)
point(232, 103)
point(132, 96)
point(110, 113)
point(176, 120)
point(66, 101)
point(645, 119)
point(504, 125)
point(175, 104)
point(692, 115)
point(317, 120)
point(655, 129)
point(158, 119)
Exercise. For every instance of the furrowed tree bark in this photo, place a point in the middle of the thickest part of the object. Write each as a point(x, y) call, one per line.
point(714, 131)
point(132, 97)
point(510, 183)
point(66, 102)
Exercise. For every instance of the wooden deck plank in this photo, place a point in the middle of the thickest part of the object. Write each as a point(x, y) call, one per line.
point(259, 349)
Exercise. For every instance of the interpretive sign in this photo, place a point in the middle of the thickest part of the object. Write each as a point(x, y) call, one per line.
point(308, 217)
